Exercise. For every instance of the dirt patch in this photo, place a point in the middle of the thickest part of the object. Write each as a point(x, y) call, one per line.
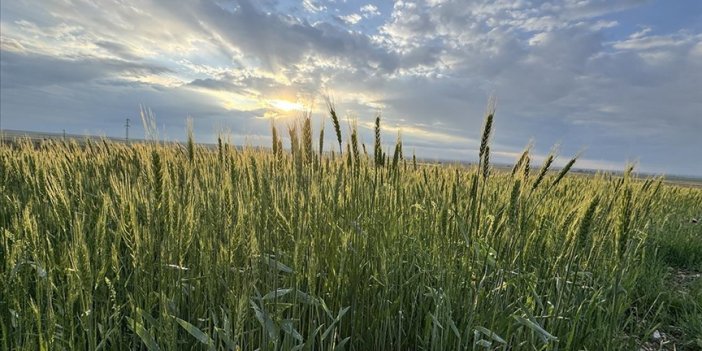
point(659, 342)
point(682, 278)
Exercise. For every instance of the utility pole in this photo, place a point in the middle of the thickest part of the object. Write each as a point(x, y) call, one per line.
point(126, 131)
point(64, 135)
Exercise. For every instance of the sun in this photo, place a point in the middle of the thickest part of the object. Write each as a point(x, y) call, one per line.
point(285, 106)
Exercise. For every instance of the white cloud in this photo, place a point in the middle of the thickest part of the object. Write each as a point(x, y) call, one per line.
point(641, 33)
point(352, 18)
point(601, 24)
point(641, 41)
point(313, 6)
point(370, 10)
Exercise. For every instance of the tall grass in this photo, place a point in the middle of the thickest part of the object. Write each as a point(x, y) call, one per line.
point(151, 246)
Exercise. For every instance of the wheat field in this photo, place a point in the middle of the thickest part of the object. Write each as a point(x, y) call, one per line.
point(306, 246)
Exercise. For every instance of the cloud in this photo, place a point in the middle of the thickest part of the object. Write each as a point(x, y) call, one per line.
point(569, 72)
point(352, 18)
point(370, 10)
point(27, 70)
point(117, 49)
point(278, 40)
point(641, 41)
point(313, 6)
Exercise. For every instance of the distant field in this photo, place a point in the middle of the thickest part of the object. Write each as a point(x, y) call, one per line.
point(161, 246)
point(10, 136)
point(684, 181)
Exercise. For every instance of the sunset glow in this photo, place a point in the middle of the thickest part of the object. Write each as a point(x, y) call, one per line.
point(286, 106)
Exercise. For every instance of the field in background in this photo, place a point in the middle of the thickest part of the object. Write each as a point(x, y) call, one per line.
point(154, 246)
point(13, 136)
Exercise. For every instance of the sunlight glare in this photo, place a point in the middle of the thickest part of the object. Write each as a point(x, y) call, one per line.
point(286, 106)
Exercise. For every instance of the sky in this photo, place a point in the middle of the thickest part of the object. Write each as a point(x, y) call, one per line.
point(617, 80)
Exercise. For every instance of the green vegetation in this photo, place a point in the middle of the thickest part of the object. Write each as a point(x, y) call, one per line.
point(152, 246)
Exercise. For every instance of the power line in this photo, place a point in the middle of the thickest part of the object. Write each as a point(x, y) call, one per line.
point(126, 131)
